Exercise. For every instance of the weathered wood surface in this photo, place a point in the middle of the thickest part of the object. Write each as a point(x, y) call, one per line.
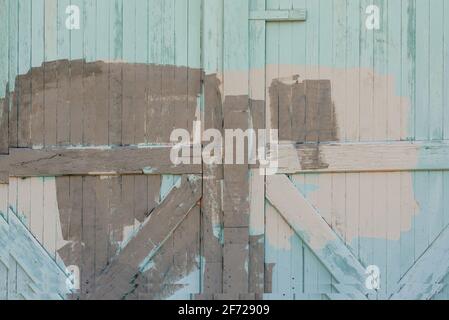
point(318, 235)
point(115, 282)
point(425, 279)
point(363, 157)
point(85, 161)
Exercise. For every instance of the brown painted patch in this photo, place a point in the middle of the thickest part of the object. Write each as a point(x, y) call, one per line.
point(90, 103)
point(304, 111)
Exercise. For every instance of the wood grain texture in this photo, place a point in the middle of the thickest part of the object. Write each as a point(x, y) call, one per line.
point(363, 157)
point(116, 281)
point(318, 235)
point(64, 161)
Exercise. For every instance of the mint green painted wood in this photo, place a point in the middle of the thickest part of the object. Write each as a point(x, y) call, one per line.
point(116, 30)
point(421, 230)
point(408, 57)
point(90, 30)
point(102, 35)
point(279, 15)
point(51, 30)
point(436, 52)
point(446, 72)
point(63, 34)
point(422, 70)
point(76, 36)
point(4, 48)
point(37, 33)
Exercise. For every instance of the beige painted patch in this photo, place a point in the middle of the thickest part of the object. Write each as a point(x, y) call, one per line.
point(364, 118)
point(369, 189)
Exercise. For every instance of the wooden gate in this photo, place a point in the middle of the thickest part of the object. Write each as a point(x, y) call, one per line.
point(93, 207)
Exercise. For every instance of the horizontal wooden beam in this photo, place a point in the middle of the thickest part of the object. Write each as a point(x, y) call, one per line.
point(423, 280)
point(120, 161)
point(279, 15)
point(318, 235)
point(362, 157)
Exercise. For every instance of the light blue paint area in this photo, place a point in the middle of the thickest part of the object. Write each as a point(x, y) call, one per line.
point(296, 272)
point(395, 258)
point(188, 285)
point(34, 273)
point(305, 188)
point(148, 170)
point(218, 231)
point(146, 266)
point(168, 183)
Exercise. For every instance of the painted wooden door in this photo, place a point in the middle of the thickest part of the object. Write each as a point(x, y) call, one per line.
point(85, 122)
point(126, 225)
point(359, 205)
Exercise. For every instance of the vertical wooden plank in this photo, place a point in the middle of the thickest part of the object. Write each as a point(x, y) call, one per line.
point(115, 76)
point(102, 80)
point(50, 72)
point(394, 115)
point(37, 208)
point(63, 74)
point(408, 58)
point(339, 30)
point(380, 223)
point(12, 195)
point(366, 217)
point(421, 230)
point(181, 49)
point(76, 93)
point(436, 54)
point(145, 10)
point(407, 240)
point(446, 199)
point(3, 281)
point(140, 198)
point(236, 185)
point(352, 211)
point(436, 213)
point(366, 79)
point(24, 201)
point(101, 223)
point(50, 215)
point(446, 71)
point(24, 60)
point(168, 60)
point(89, 44)
point(312, 66)
point(211, 206)
point(422, 117)
point(76, 224)
point(4, 202)
point(272, 71)
point(13, 62)
point(155, 42)
point(339, 204)
point(37, 58)
point(380, 93)
point(129, 74)
point(257, 45)
point(128, 202)
point(353, 78)
point(194, 54)
point(4, 73)
point(393, 214)
point(88, 235)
